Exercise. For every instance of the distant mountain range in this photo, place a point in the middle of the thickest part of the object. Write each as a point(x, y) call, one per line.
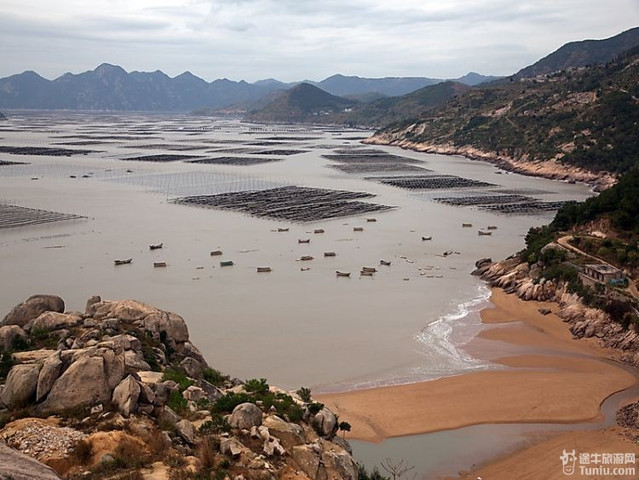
point(583, 53)
point(110, 87)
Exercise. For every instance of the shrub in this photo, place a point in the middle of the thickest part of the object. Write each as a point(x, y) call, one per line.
point(214, 377)
point(177, 403)
point(315, 407)
point(177, 374)
point(227, 402)
point(305, 394)
point(256, 386)
point(217, 424)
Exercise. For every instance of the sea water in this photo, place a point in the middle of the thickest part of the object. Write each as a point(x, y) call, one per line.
point(297, 328)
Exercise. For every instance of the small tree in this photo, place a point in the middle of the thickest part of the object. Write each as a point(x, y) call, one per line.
point(344, 427)
point(305, 394)
point(396, 470)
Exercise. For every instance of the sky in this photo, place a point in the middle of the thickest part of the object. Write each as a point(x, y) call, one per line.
point(293, 40)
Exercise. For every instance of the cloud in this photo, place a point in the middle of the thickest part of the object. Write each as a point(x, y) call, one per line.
point(295, 39)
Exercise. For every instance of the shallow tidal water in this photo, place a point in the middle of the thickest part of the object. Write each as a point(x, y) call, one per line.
point(296, 328)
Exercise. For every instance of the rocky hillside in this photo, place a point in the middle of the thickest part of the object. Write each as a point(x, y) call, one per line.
point(119, 391)
point(583, 53)
point(576, 125)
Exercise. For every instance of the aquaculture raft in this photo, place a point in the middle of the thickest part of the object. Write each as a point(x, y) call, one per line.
point(15, 216)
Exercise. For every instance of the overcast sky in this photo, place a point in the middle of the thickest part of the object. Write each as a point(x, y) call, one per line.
point(299, 39)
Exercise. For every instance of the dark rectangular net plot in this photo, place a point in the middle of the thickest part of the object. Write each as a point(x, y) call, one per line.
point(525, 207)
point(376, 158)
point(7, 162)
point(378, 167)
point(482, 200)
point(297, 204)
point(239, 161)
point(12, 216)
point(44, 151)
point(163, 158)
point(431, 182)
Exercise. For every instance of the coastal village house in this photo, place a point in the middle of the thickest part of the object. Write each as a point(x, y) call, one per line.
point(603, 273)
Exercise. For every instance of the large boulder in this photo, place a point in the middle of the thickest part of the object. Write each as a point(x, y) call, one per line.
point(245, 416)
point(167, 326)
point(134, 361)
point(8, 335)
point(326, 422)
point(85, 382)
point(289, 434)
point(307, 459)
point(48, 321)
point(32, 308)
point(49, 373)
point(186, 430)
point(339, 464)
point(18, 466)
point(21, 385)
point(126, 395)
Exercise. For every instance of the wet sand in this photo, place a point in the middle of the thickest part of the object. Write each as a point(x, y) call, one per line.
point(567, 385)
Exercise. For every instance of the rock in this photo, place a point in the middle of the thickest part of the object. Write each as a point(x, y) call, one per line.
point(212, 392)
point(245, 416)
point(166, 326)
point(125, 342)
point(134, 361)
point(146, 394)
point(289, 434)
point(114, 365)
point(48, 321)
point(149, 377)
point(307, 460)
point(21, 385)
point(483, 262)
point(186, 430)
point(90, 302)
point(187, 349)
point(168, 417)
point(32, 308)
point(339, 464)
point(192, 367)
point(8, 334)
point(18, 466)
point(50, 372)
point(85, 382)
point(194, 394)
point(273, 447)
point(126, 395)
point(326, 422)
point(33, 356)
point(231, 446)
point(97, 409)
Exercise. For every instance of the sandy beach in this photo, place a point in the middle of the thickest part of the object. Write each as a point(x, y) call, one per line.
point(548, 377)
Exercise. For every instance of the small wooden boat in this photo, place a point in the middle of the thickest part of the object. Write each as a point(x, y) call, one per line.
point(369, 269)
point(491, 227)
point(343, 274)
point(123, 262)
point(330, 254)
point(215, 253)
point(226, 263)
point(481, 232)
point(305, 269)
point(318, 230)
point(385, 262)
point(365, 273)
point(305, 258)
point(371, 219)
point(426, 238)
point(303, 240)
point(280, 229)
point(467, 225)
point(263, 269)
point(157, 246)
point(358, 229)
point(159, 264)
point(73, 176)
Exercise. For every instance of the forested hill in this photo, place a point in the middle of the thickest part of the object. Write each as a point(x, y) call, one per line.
point(586, 117)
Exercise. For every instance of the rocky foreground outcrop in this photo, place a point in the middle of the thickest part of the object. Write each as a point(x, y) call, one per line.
point(120, 389)
point(519, 278)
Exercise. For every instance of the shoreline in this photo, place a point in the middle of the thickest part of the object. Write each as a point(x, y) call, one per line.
point(549, 377)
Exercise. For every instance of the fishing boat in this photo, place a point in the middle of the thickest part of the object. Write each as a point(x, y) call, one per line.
point(303, 240)
point(343, 274)
point(369, 269)
point(330, 254)
point(491, 227)
point(385, 262)
point(305, 258)
point(263, 269)
point(123, 262)
point(226, 263)
point(318, 230)
point(159, 264)
point(215, 253)
point(467, 225)
point(481, 232)
point(305, 269)
point(280, 229)
point(358, 229)
point(371, 219)
point(157, 246)
point(365, 273)
point(427, 238)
